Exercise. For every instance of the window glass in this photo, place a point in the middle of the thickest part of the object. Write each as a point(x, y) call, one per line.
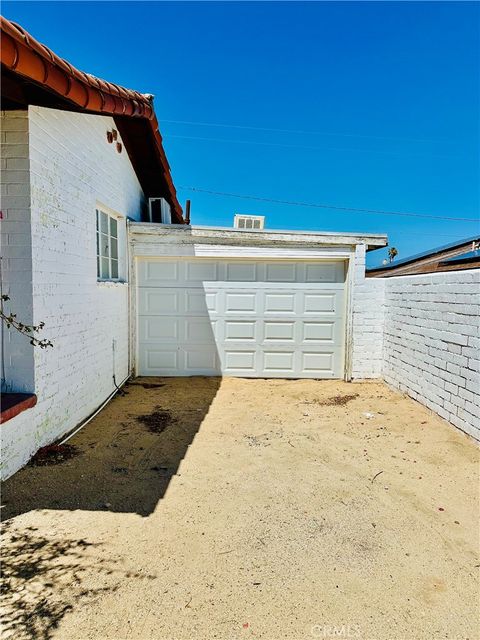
point(113, 228)
point(114, 248)
point(104, 270)
point(104, 245)
point(103, 222)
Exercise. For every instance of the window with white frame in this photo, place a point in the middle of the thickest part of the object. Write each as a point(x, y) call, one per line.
point(107, 246)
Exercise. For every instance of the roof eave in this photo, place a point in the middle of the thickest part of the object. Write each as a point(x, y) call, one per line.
point(243, 236)
point(24, 56)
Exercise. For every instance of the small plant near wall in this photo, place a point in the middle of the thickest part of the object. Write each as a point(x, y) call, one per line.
point(392, 253)
point(28, 330)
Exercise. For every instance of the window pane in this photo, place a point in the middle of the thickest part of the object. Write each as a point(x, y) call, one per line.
point(99, 275)
point(97, 218)
point(113, 227)
point(104, 245)
point(103, 222)
point(114, 264)
point(105, 271)
point(248, 224)
point(256, 224)
point(114, 248)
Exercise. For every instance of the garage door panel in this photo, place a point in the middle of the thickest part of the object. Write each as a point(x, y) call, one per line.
point(201, 359)
point(199, 330)
point(240, 330)
point(240, 360)
point(275, 330)
point(279, 361)
point(279, 303)
point(318, 362)
point(281, 272)
point(318, 332)
point(151, 330)
point(241, 272)
point(158, 273)
point(240, 302)
point(334, 272)
point(200, 302)
point(159, 301)
point(258, 319)
point(201, 271)
point(156, 358)
point(320, 302)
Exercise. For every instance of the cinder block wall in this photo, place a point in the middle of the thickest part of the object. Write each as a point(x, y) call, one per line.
point(71, 169)
point(431, 342)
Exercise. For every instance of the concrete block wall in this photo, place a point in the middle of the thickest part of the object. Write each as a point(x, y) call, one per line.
point(431, 346)
point(72, 170)
point(367, 321)
point(16, 250)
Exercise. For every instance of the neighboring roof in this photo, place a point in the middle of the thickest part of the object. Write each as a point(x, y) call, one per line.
point(452, 250)
point(470, 256)
point(47, 80)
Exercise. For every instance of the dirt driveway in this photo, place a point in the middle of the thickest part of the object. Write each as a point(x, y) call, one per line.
point(203, 508)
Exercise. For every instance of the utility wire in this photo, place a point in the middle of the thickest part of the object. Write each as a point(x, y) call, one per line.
point(316, 205)
point(299, 131)
point(312, 148)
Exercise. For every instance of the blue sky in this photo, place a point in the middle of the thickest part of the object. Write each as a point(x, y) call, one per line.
point(365, 105)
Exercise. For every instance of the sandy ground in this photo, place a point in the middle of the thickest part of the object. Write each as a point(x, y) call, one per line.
point(258, 512)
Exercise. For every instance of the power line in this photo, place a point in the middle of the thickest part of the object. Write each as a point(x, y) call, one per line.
point(299, 131)
point(310, 147)
point(428, 235)
point(316, 205)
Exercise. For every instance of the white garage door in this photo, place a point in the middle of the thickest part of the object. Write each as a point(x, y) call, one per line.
point(245, 318)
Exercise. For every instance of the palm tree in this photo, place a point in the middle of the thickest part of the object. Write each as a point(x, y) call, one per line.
point(392, 252)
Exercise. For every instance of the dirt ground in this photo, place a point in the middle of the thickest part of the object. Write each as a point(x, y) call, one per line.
point(203, 508)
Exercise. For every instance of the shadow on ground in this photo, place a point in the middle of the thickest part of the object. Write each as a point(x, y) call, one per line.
point(43, 579)
point(125, 457)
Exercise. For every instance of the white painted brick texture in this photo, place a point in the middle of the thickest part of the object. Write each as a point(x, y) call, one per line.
point(431, 340)
point(72, 168)
point(16, 243)
point(367, 321)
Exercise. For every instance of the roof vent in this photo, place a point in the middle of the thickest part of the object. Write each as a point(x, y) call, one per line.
point(248, 222)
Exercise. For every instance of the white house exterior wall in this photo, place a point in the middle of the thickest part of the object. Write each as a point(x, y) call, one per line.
point(16, 249)
point(367, 321)
point(72, 170)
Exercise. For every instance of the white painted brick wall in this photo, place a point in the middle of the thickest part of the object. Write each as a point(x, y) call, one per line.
point(72, 168)
point(422, 335)
point(431, 343)
point(367, 321)
point(16, 260)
